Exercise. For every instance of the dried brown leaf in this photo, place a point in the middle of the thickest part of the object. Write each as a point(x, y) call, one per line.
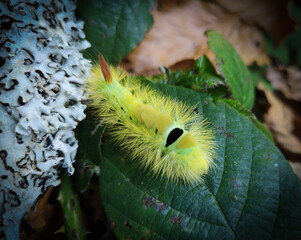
point(287, 80)
point(280, 119)
point(182, 65)
point(296, 166)
point(271, 15)
point(178, 34)
point(43, 220)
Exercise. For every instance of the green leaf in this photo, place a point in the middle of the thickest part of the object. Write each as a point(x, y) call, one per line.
point(258, 76)
point(245, 112)
point(288, 216)
point(235, 73)
point(201, 77)
point(294, 8)
point(219, 92)
point(88, 131)
point(205, 67)
point(114, 28)
point(289, 52)
point(251, 194)
point(293, 46)
point(280, 52)
point(88, 155)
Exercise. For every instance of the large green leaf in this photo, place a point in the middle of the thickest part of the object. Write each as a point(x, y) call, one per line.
point(114, 28)
point(242, 110)
point(234, 71)
point(251, 194)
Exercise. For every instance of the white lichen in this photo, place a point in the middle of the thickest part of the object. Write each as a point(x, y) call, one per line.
point(42, 72)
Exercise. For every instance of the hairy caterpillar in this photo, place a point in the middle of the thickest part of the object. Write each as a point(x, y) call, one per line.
point(160, 133)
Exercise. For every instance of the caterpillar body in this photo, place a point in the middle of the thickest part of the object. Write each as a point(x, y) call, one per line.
point(158, 132)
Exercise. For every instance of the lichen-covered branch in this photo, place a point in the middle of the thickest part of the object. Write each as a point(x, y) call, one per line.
point(42, 72)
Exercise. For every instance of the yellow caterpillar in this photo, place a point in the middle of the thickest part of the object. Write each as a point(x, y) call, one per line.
point(158, 132)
